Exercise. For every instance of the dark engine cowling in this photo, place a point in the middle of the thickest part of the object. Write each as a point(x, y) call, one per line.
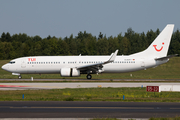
point(69, 72)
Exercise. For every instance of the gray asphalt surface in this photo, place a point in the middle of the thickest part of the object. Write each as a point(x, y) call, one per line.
point(88, 109)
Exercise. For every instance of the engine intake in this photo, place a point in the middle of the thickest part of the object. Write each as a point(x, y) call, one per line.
point(69, 72)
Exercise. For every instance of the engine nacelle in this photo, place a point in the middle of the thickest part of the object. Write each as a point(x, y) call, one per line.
point(69, 72)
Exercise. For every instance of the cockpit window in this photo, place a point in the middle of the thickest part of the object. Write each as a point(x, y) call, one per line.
point(12, 62)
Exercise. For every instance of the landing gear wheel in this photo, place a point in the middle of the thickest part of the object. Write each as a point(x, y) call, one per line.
point(88, 76)
point(19, 76)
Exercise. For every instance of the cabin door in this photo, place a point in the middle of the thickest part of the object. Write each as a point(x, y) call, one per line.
point(142, 63)
point(23, 63)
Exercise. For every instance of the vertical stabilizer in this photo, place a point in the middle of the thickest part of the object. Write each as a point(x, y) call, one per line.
point(159, 47)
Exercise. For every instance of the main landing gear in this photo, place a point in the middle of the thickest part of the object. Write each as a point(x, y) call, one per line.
point(88, 76)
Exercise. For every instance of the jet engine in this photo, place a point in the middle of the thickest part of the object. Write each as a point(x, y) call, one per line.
point(69, 72)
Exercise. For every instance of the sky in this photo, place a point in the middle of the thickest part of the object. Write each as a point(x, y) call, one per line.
point(61, 18)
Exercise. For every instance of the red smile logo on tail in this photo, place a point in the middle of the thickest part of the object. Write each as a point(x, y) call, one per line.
point(158, 50)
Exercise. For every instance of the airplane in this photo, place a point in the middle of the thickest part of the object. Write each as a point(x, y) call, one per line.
point(73, 66)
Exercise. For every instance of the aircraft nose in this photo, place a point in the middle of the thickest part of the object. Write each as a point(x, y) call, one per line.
point(5, 67)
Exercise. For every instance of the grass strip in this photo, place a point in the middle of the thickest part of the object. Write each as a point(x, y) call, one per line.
point(90, 94)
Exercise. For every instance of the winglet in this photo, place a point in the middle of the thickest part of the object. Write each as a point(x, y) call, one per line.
point(113, 56)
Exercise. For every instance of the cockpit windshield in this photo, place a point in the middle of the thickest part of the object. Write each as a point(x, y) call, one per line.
point(12, 62)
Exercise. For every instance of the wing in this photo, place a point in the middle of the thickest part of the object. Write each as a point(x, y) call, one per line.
point(97, 68)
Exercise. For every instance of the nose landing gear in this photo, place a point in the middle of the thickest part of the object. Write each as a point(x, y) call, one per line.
point(19, 76)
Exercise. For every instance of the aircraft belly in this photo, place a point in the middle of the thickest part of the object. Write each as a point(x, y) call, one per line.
point(39, 70)
point(121, 68)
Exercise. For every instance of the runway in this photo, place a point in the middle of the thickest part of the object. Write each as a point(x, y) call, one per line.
point(88, 109)
point(63, 85)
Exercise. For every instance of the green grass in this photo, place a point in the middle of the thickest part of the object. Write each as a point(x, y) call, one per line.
point(90, 94)
point(170, 70)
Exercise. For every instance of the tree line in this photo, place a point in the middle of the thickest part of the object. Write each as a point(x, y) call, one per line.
point(21, 45)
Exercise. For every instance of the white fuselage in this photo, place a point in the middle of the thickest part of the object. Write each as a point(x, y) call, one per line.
point(54, 64)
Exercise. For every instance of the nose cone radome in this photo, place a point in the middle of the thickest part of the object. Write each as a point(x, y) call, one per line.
point(5, 67)
point(2, 67)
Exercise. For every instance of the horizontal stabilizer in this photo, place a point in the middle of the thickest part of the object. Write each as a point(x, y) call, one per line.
point(169, 56)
